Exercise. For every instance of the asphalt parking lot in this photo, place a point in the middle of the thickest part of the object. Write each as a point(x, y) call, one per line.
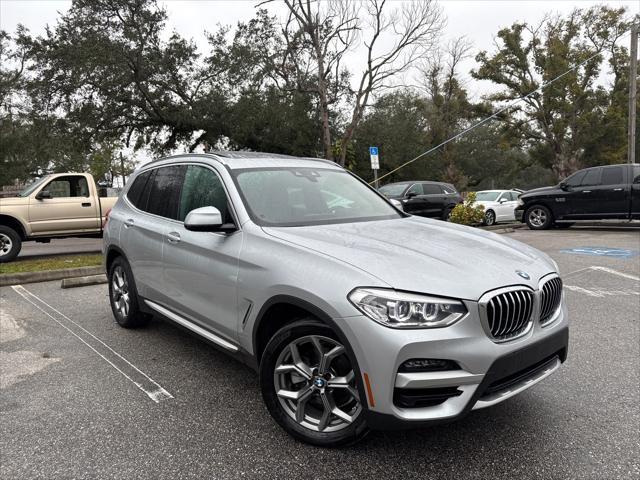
point(82, 398)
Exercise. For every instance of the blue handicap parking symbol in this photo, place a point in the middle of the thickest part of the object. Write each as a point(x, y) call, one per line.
point(373, 150)
point(602, 252)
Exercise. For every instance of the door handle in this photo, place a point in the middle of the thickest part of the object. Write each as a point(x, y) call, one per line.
point(586, 191)
point(128, 223)
point(86, 204)
point(617, 189)
point(173, 237)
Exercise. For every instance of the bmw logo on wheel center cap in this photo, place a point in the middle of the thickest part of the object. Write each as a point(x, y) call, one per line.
point(319, 382)
point(524, 275)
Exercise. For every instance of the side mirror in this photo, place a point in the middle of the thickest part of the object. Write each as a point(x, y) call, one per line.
point(564, 186)
point(207, 219)
point(42, 194)
point(503, 200)
point(397, 204)
point(411, 195)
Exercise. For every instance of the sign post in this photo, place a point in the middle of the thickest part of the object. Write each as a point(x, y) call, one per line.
point(375, 164)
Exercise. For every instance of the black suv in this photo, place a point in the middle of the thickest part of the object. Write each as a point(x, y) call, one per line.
point(426, 199)
point(597, 193)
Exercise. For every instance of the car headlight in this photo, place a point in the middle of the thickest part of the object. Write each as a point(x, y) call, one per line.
point(406, 310)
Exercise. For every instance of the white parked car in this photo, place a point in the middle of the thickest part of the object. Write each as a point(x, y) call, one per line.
point(499, 205)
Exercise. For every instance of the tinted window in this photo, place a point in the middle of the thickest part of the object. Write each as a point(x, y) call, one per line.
point(72, 186)
point(576, 179)
point(134, 194)
point(448, 189)
point(416, 188)
point(431, 189)
point(165, 191)
point(612, 176)
point(592, 177)
point(202, 188)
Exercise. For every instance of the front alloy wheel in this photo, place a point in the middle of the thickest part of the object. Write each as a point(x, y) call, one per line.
point(538, 217)
point(489, 218)
point(314, 383)
point(310, 385)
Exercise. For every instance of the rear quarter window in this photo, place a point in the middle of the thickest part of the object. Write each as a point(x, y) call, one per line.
point(135, 192)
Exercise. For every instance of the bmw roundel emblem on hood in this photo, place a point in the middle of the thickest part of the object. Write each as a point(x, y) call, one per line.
point(524, 275)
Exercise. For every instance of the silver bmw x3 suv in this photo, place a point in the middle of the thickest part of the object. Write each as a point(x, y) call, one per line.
point(355, 315)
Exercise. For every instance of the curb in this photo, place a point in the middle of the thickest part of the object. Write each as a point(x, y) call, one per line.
point(507, 227)
point(48, 275)
point(83, 281)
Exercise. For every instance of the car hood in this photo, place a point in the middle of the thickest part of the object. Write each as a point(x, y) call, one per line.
point(422, 255)
point(12, 201)
point(542, 190)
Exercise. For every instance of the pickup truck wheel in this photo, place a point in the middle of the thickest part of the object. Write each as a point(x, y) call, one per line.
point(10, 244)
point(123, 296)
point(310, 386)
point(538, 217)
point(489, 218)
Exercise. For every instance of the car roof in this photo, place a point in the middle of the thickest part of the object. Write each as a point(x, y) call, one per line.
point(407, 182)
point(242, 160)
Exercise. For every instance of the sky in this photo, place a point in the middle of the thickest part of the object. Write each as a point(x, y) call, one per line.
point(477, 20)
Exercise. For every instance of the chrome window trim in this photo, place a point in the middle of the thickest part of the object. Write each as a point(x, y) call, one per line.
point(484, 321)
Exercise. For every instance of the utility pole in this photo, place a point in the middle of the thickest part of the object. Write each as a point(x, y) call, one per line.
point(633, 93)
point(122, 170)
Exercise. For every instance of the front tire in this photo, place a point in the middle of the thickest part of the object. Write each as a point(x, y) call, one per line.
point(538, 217)
point(123, 296)
point(489, 218)
point(10, 244)
point(310, 387)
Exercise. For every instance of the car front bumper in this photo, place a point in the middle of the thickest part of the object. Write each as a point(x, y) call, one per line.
point(489, 372)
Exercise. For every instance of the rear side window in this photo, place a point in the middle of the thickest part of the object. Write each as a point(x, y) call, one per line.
point(431, 189)
point(135, 194)
point(592, 177)
point(202, 188)
point(166, 187)
point(612, 176)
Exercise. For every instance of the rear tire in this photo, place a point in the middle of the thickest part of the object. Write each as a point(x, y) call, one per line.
point(123, 296)
point(10, 244)
point(538, 217)
point(302, 392)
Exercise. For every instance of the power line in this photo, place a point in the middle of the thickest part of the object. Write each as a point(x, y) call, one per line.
point(495, 114)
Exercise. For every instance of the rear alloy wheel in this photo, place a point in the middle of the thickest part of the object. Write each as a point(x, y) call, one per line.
point(10, 244)
point(538, 217)
point(309, 385)
point(123, 296)
point(489, 218)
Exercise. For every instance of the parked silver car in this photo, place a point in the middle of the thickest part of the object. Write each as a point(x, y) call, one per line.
point(355, 314)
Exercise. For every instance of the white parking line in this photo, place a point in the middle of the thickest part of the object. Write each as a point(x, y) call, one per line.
point(601, 293)
point(108, 354)
point(602, 269)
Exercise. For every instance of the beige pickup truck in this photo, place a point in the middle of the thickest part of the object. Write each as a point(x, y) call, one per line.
point(56, 206)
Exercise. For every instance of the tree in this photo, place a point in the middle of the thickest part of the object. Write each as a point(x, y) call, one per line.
point(559, 123)
point(326, 31)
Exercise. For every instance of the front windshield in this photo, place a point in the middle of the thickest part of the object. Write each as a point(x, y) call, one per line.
point(309, 196)
point(30, 188)
point(393, 189)
point(487, 196)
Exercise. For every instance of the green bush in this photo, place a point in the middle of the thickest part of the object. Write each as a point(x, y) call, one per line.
point(467, 213)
